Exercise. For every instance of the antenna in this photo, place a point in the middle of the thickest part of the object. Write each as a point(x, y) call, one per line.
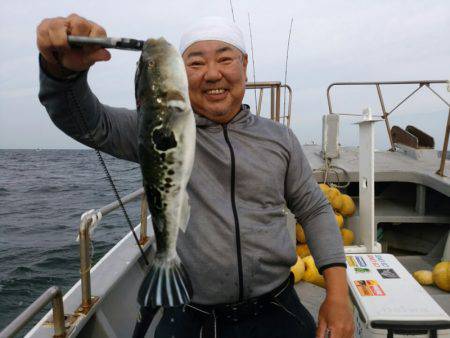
point(232, 11)
point(253, 57)
point(285, 69)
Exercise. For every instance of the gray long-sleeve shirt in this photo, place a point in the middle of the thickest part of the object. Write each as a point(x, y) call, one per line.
point(236, 244)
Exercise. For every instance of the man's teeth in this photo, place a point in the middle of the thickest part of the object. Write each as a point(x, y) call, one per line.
point(216, 91)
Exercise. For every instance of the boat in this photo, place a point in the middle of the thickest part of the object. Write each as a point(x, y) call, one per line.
point(403, 209)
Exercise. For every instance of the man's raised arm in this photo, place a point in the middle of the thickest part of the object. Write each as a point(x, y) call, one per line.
point(66, 95)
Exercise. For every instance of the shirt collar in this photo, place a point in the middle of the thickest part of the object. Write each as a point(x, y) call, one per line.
point(243, 116)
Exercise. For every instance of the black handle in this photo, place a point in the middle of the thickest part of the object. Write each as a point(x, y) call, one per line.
point(117, 43)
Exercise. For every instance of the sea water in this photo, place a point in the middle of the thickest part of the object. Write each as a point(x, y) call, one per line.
point(42, 196)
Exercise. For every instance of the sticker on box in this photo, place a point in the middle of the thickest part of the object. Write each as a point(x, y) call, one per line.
point(350, 261)
point(388, 273)
point(382, 262)
point(362, 270)
point(361, 262)
point(369, 288)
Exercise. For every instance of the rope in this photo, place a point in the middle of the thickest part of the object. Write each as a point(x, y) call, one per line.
point(108, 176)
point(330, 168)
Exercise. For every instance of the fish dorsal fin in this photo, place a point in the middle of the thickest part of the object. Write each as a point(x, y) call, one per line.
point(185, 212)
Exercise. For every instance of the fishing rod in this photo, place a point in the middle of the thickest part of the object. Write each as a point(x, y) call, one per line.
point(253, 58)
point(116, 43)
point(286, 68)
point(106, 42)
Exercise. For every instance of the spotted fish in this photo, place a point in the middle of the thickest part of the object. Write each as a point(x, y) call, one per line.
point(166, 147)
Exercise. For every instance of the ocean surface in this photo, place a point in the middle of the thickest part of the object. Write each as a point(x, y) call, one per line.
point(42, 196)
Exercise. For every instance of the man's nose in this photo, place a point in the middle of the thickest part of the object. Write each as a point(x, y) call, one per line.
point(213, 73)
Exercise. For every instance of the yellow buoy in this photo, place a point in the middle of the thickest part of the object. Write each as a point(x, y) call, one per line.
point(324, 187)
point(424, 277)
point(311, 274)
point(298, 269)
point(300, 234)
point(347, 236)
point(339, 219)
point(441, 275)
point(303, 250)
point(348, 207)
point(332, 192)
point(334, 197)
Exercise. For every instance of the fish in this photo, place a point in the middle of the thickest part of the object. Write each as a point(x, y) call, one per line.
point(166, 149)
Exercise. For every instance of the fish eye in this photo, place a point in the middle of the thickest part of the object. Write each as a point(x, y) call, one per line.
point(151, 64)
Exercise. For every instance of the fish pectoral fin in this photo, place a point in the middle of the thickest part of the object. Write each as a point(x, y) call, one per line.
point(185, 212)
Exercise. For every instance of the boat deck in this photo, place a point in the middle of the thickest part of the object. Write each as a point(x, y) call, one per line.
point(404, 165)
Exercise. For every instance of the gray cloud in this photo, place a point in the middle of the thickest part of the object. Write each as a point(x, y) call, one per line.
point(331, 41)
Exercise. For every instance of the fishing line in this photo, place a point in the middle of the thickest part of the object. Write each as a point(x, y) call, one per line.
point(105, 169)
point(253, 58)
point(285, 70)
point(232, 11)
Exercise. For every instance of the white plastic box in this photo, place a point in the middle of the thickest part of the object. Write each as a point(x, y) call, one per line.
point(389, 302)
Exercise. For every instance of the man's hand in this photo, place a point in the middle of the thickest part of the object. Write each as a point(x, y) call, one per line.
point(335, 314)
point(52, 44)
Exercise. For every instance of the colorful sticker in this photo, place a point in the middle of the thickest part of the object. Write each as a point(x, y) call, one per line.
point(362, 270)
point(388, 273)
point(369, 288)
point(361, 261)
point(350, 261)
point(382, 262)
point(373, 261)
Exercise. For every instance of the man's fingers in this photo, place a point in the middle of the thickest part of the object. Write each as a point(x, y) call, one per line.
point(79, 26)
point(52, 42)
point(57, 34)
point(320, 331)
point(97, 30)
point(98, 55)
point(45, 48)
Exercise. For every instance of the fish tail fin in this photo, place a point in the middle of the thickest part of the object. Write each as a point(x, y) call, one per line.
point(166, 284)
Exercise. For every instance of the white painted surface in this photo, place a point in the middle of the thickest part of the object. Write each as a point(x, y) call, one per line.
point(395, 299)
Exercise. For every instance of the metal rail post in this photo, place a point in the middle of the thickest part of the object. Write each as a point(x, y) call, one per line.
point(258, 110)
point(277, 103)
point(385, 117)
point(272, 103)
point(143, 235)
point(51, 294)
point(85, 265)
point(445, 147)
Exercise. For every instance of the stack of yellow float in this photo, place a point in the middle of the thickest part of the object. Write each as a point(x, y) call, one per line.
point(440, 276)
point(343, 206)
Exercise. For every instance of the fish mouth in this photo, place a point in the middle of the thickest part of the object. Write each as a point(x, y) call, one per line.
point(216, 94)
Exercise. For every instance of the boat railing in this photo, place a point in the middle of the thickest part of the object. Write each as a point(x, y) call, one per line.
point(385, 113)
point(275, 100)
point(54, 295)
point(87, 221)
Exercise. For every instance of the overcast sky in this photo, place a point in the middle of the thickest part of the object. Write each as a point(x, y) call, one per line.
point(331, 41)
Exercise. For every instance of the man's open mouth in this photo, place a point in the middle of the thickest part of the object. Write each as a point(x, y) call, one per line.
point(215, 91)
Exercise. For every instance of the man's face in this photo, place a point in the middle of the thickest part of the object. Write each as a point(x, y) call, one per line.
point(216, 74)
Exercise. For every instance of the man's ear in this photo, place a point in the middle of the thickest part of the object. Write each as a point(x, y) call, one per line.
point(244, 64)
point(245, 60)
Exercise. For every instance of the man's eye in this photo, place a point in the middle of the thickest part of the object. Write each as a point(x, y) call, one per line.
point(226, 60)
point(196, 64)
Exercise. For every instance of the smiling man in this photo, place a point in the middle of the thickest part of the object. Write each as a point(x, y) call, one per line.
point(247, 170)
